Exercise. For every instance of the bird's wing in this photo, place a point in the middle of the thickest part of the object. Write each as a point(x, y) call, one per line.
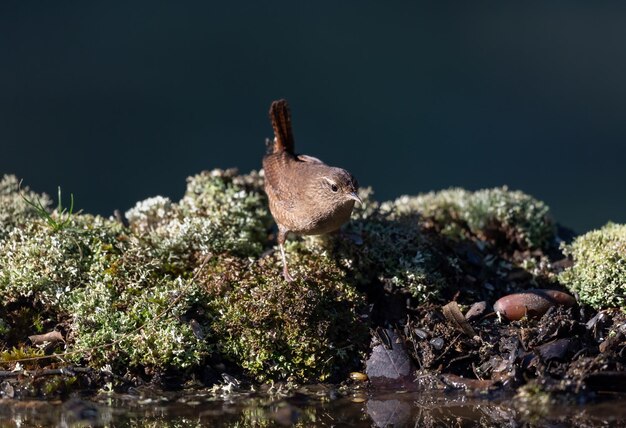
point(276, 181)
point(309, 159)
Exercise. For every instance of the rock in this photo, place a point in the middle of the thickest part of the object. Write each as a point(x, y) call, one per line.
point(7, 390)
point(555, 350)
point(437, 343)
point(531, 303)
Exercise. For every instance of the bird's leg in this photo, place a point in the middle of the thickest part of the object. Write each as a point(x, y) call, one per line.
point(282, 236)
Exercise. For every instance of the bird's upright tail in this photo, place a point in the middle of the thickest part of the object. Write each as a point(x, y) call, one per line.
point(281, 122)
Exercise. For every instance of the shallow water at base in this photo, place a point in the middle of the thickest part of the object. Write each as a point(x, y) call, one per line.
point(317, 407)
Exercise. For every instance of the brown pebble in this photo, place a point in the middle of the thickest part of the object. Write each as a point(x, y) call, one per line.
point(362, 377)
point(531, 303)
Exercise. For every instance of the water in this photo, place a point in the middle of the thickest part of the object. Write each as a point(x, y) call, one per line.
point(315, 406)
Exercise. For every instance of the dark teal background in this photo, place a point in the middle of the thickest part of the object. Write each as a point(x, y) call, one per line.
point(118, 101)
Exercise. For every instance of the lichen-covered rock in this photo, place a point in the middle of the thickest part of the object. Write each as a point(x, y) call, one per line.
point(599, 271)
point(489, 214)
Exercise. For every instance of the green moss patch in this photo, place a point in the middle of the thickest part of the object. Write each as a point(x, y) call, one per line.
point(498, 215)
point(599, 271)
point(308, 330)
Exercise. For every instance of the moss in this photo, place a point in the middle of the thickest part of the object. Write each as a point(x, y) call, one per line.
point(378, 249)
point(14, 211)
point(19, 353)
point(534, 402)
point(107, 316)
point(135, 298)
point(308, 330)
point(43, 265)
point(396, 254)
point(4, 328)
point(53, 386)
point(599, 271)
point(235, 207)
point(220, 212)
point(105, 282)
point(494, 215)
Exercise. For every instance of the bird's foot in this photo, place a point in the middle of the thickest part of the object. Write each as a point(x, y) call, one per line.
point(286, 275)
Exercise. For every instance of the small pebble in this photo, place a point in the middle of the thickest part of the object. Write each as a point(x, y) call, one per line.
point(361, 377)
point(6, 389)
point(437, 343)
point(422, 334)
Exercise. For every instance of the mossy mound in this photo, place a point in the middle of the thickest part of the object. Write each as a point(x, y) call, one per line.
point(155, 296)
point(220, 213)
point(14, 210)
point(307, 330)
point(199, 282)
point(599, 271)
point(377, 248)
point(498, 215)
point(44, 266)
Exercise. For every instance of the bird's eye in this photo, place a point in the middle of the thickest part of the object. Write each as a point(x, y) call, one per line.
point(334, 187)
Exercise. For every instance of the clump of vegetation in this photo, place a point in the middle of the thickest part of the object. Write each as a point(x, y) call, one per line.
point(196, 279)
point(599, 271)
point(497, 215)
point(45, 260)
point(236, 206)
point(141, 298)
point(308, 330)
point(44, 265)
point(14, 210)
point(134, 315)
point(378, 248)
point(220, 212)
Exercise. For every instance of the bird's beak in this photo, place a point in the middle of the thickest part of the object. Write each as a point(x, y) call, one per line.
point(354, 196)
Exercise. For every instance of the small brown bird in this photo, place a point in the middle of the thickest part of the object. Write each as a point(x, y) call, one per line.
point(306, 196)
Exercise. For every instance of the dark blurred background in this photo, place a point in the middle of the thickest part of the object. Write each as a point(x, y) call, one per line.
point(117, 102)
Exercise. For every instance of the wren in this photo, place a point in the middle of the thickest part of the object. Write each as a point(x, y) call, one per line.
point(306, 196)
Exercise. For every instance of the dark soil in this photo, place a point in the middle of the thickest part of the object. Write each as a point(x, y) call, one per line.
point(571, 350)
